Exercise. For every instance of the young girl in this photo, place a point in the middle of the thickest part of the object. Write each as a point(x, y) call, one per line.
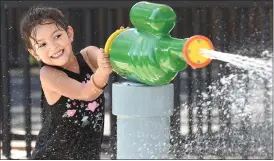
point(72, 86)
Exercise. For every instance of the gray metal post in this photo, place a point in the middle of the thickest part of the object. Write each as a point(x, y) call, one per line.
point(143, 120)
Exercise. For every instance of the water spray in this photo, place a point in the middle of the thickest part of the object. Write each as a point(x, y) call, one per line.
point(262, 67)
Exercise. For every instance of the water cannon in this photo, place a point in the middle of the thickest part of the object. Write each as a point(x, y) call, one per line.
point(147, 53)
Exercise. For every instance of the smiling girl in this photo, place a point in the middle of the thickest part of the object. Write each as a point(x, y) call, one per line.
point(72, 86)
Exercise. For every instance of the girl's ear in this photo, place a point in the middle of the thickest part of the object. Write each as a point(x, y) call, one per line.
point(33, 53)
point(70, 33)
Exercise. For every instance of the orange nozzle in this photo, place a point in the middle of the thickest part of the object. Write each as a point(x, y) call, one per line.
point(192, 54)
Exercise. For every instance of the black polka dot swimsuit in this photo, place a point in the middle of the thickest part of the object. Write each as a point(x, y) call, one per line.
point(71, 129)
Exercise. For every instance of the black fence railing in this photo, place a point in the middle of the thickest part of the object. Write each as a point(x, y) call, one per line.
point(231, 25)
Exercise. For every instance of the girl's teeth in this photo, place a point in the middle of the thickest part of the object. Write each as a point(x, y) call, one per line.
point(57, 54)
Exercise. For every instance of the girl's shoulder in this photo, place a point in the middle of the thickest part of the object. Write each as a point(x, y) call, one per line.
point(90, 57)
point(50, 72)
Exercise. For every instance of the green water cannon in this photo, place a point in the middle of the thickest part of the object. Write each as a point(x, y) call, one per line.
point(147, 53)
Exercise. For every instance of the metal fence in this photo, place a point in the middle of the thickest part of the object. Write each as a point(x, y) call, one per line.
point(231, 25)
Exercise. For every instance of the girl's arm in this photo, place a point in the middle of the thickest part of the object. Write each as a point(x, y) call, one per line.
point(58, 81)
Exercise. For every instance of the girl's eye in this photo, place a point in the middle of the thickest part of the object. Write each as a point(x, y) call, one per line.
point(58, 36)
point(42, 45)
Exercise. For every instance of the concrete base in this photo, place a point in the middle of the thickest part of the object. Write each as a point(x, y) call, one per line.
point(143, 120)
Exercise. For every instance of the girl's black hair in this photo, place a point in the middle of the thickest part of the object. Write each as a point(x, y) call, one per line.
point(39, 15)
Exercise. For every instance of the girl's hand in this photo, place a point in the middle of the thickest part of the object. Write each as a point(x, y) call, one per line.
point(122, 27)
point(104, 65)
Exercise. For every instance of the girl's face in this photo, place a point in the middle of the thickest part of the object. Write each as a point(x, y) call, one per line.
point(52, 45)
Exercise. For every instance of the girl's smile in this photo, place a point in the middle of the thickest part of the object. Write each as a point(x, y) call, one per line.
point(58, 54)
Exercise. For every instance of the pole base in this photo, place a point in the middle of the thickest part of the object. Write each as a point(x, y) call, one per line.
point(143, 120)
